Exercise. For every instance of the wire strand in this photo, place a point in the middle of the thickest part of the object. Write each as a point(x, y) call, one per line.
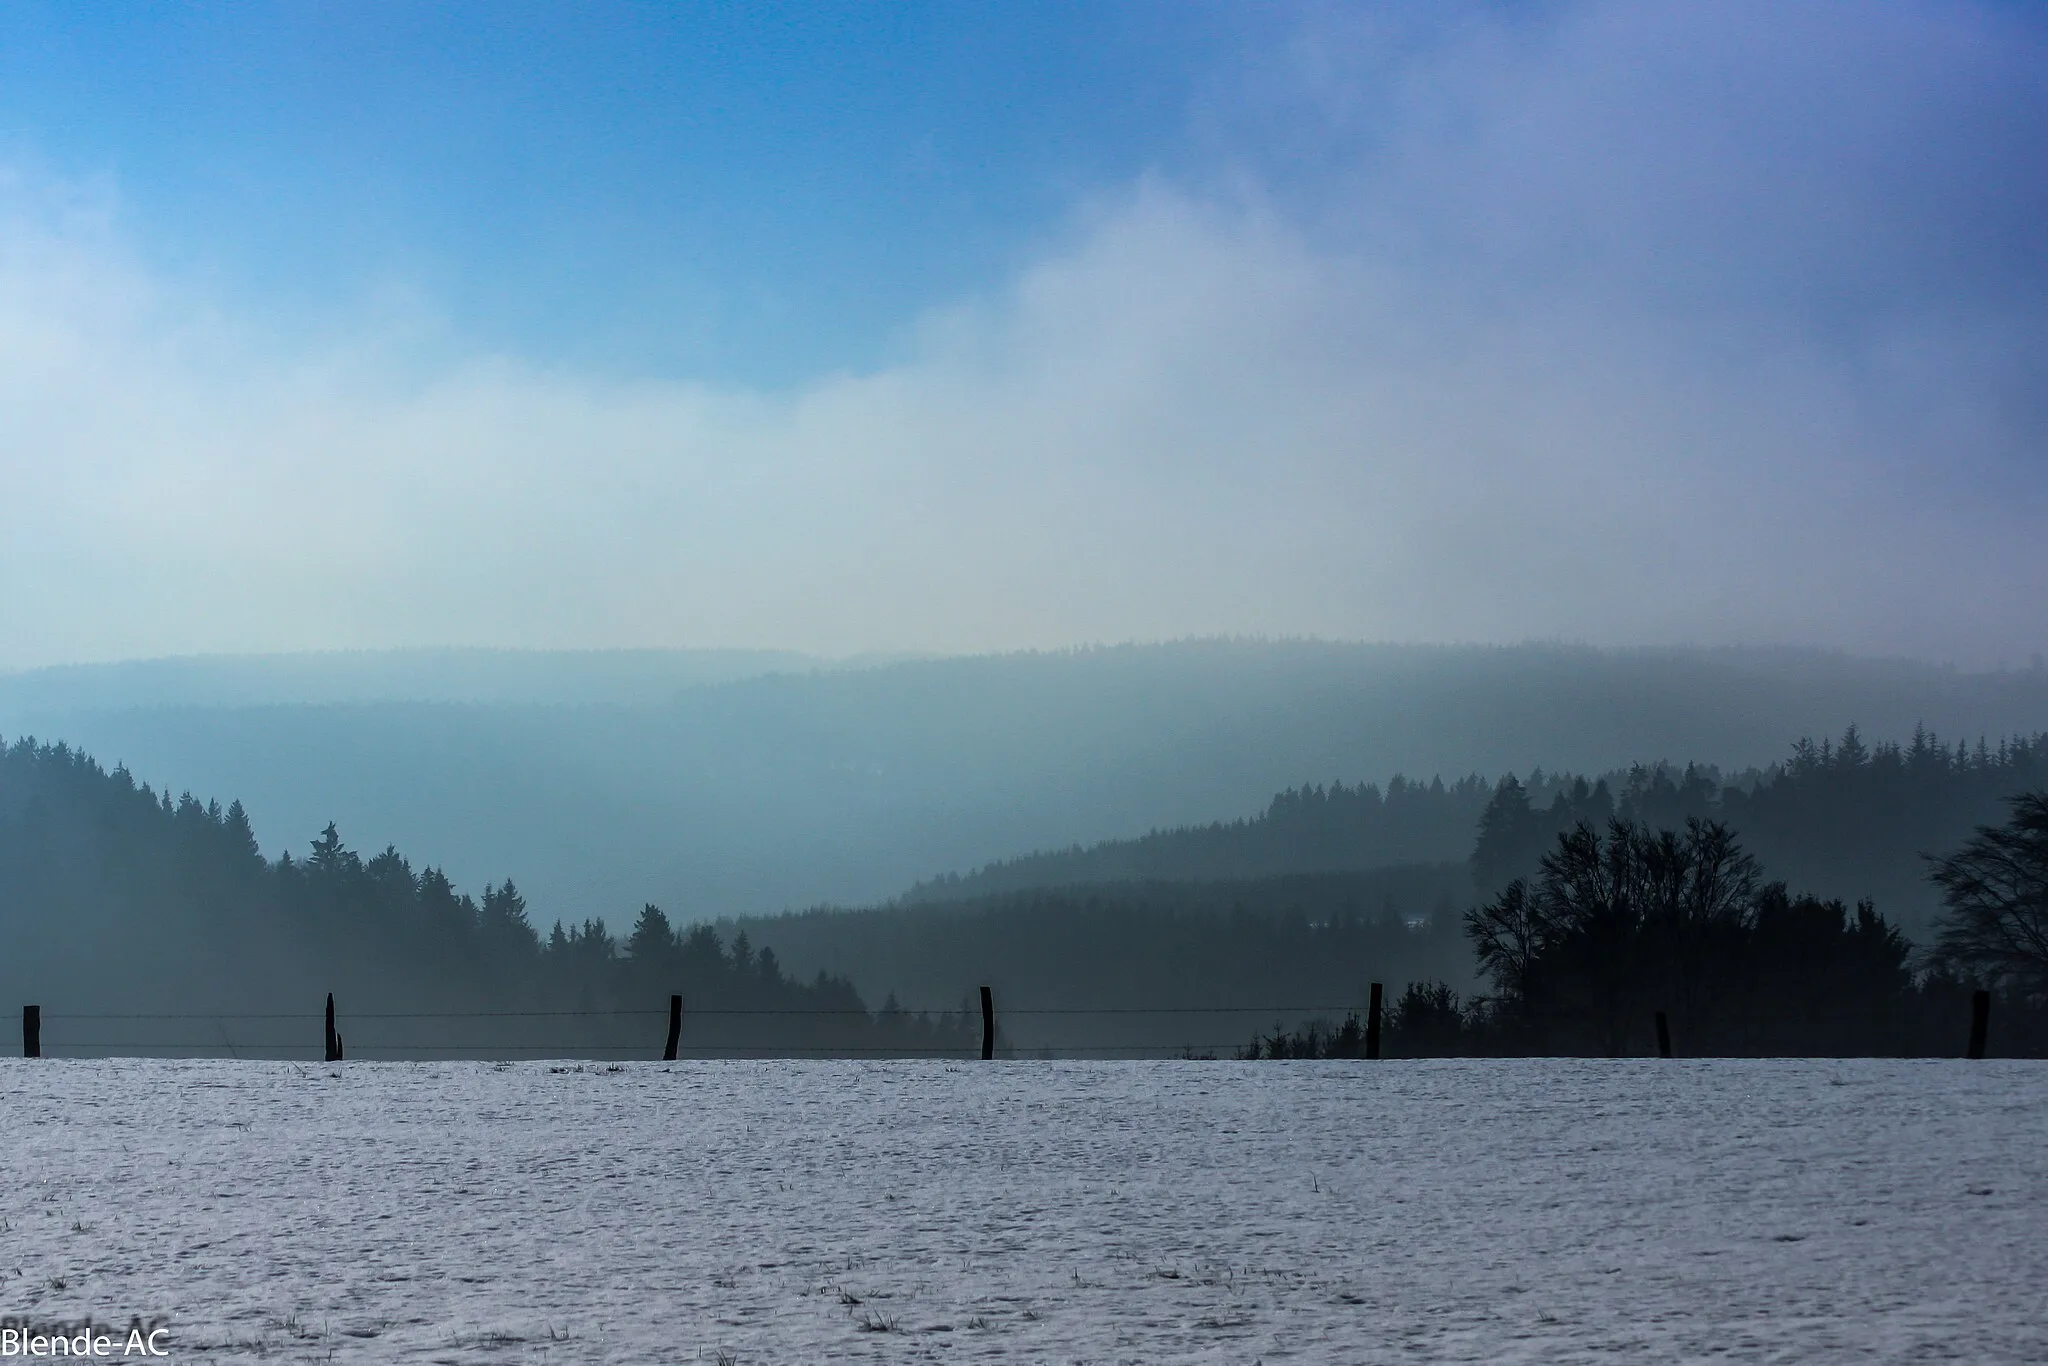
point(848, 1012)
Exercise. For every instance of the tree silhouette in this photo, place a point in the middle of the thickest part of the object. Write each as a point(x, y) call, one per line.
point(652, 939)
point(1995, 900)
point(1616, 928)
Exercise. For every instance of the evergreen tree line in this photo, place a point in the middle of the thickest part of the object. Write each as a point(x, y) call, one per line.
point(1597, 902)
point(1622, 926)
point(1309, 829)
point(116, 900)
point(1607, 901)
point(1148, 967)
point(1841, 818)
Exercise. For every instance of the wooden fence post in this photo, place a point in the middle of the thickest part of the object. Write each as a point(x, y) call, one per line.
point(333, 1034)
point(988, 1024)
point(675, 1028)
point(31, 1031)
point(1372, 1024)
point(1663, 1036)
point(1980, 1022)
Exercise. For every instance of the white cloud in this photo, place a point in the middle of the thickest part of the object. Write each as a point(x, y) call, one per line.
point(1592, 341)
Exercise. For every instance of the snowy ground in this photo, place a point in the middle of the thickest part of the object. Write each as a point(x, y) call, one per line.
point(1027, 1212)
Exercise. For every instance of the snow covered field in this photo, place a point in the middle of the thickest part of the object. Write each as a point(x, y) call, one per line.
point(1027, 1212)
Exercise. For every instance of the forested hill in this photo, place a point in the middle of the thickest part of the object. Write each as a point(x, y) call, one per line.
point(1310, 829)
point(1846, 819)
point(145, 924)
point(117, 900)
point(1152, 964)
point(604, 780)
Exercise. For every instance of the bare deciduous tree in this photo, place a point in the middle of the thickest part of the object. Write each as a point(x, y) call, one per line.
point(1995, 897)
point(1612, 922)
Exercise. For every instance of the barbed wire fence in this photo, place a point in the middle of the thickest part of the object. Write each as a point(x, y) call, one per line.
point(735, 1032)
point(296, 1035)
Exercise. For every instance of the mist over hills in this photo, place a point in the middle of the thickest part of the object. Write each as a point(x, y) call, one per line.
point(627, 677)
point(1066, 963)
point(1163, 917)
point(720, 784)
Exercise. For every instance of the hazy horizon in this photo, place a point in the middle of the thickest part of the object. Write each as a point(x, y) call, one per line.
point(731, 662)
point(735, 784)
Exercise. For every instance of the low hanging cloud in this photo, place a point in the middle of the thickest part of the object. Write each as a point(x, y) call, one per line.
point(1627, 325)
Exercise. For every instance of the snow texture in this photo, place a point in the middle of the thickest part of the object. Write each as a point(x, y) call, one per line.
point(1806, 1211)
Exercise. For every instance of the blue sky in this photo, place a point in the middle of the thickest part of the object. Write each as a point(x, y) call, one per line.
point(982, 327)
point(746, 192)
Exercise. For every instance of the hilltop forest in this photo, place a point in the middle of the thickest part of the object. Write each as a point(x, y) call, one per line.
point(140, 923)
point(1841, 818)
point(1837, 839)
point(119, 900)
point(727, 784)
